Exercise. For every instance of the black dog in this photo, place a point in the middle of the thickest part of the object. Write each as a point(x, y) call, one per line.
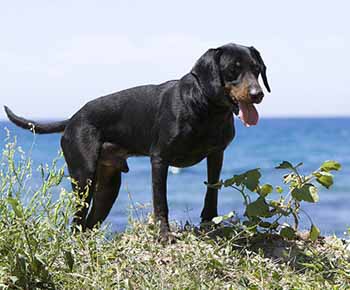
point(177, 123)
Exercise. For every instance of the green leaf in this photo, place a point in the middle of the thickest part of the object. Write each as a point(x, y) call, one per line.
point(307, 192)
point(249, 178)
point(15, 206)
point(265, 190)
point(279, 208)
point(229, 182)
point(314, 233)
point(285, 165)
point(214, 263)
point(275, 203)
point(236, 179)
point(287, 232)
point(21, 263)
point(12, 201)
point(258, 208)
point(265, 225)
point(299, 164)
point(330, 165)
point(38, 264)
point(69, 259)
point(59, 177)
point(310, 266)
point(325, 179)
point(279, 189)
point(229, 215)
point(218, 219)
point(252, 179)
point(239, 178)
point(274, 225)
point(288, 177)
point(252, 224)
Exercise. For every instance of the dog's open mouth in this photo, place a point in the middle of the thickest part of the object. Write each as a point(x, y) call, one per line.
point(248, 114)
point(246, 111)
point(245, 108)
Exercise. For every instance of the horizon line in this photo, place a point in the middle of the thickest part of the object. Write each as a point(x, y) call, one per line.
point(38, 119)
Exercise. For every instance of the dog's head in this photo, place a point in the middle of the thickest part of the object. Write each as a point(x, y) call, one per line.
point(228, 76)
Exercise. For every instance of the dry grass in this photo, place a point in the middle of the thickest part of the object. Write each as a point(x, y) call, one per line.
point(38, 250)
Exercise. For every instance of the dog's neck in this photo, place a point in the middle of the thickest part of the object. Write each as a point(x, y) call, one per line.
point(216, 104)
point(196, 101)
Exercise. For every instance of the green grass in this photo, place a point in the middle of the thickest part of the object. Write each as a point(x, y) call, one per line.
point(39, 251)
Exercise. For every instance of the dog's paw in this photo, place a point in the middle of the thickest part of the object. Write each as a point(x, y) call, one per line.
point(207, 226)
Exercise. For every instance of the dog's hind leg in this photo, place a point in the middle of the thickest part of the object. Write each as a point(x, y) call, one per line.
point(112, 162)
point(108, 181)
point(81, 151)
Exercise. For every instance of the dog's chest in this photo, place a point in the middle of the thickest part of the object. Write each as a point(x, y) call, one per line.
point(194, 143)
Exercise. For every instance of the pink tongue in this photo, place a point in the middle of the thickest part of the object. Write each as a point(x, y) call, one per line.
point(248, 114)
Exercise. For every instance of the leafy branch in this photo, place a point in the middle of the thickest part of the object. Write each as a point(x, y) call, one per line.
point(265, 212)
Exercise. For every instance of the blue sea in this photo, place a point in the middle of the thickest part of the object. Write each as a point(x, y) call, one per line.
point(310, 141)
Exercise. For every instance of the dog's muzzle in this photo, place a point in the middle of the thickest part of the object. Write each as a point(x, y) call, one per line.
point(256, 95)
point(245, 97)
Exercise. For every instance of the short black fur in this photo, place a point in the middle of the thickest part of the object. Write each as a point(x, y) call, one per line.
point(177, 123)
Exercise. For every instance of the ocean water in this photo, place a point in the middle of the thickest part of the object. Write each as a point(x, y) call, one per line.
point(310, 141)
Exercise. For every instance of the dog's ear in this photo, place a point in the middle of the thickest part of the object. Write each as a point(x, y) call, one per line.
point(258, 58)
point(207, 70)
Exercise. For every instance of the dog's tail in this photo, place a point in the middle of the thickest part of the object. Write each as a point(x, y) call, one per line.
point(40, 128)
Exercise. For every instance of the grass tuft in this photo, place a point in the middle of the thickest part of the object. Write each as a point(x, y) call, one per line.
point(39, 251)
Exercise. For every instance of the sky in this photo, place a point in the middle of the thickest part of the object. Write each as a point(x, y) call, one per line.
point(57, 55)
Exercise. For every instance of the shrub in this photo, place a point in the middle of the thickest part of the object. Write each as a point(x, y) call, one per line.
point(264, 213)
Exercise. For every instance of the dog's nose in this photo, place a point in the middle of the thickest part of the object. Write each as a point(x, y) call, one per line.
point(256, 95)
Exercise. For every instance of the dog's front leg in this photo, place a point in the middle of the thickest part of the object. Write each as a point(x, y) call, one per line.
point(214, 165)
point(160, 203)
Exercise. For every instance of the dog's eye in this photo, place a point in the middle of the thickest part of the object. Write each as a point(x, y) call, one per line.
point(236, 67)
